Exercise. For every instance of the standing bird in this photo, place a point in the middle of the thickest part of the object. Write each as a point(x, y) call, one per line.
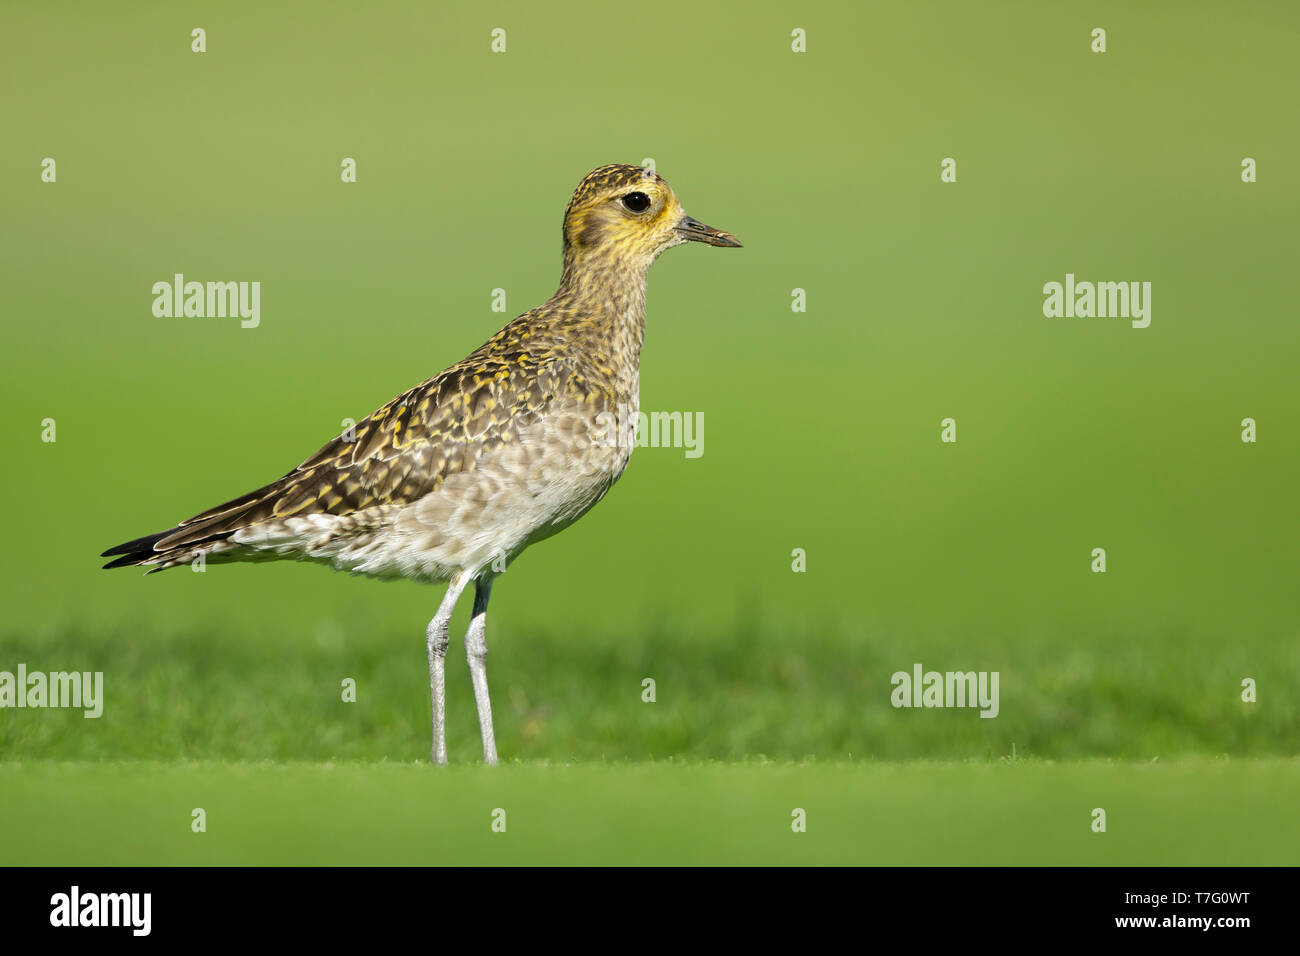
point(452, 479)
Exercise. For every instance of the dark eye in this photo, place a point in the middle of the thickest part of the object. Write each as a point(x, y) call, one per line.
point(637, 202)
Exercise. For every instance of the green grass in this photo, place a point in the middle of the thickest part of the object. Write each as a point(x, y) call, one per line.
point(731, 694)
point(669, 812)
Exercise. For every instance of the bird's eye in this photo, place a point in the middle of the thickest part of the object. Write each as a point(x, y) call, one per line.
point(637, 202)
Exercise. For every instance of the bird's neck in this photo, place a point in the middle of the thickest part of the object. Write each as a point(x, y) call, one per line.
point(607, 296)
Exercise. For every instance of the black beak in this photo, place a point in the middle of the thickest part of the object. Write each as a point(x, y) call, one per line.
point(697, 231)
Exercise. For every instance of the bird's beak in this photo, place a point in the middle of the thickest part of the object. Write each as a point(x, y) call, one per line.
point(697, 231)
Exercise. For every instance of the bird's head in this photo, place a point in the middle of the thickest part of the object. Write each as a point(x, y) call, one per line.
point(629, 213)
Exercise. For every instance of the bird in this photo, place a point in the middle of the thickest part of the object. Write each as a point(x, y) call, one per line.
point(452, 479)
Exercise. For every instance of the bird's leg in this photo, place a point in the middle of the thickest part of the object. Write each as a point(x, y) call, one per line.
point(476, 653)
point(437, 638)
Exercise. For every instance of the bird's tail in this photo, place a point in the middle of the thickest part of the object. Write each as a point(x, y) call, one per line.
point(155, 552)
point(208, 534)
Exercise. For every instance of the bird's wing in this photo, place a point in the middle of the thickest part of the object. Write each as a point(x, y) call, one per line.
point(406, 449)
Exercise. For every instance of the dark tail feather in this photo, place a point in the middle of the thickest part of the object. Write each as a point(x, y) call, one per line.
point(139, 544)
point(142, 549)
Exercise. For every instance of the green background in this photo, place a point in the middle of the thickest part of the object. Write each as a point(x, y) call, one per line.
point(821, 428)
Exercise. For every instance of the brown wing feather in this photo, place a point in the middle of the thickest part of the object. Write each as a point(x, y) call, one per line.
point(406, 449)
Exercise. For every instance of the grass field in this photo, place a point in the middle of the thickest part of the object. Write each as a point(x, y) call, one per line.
point(735, 694)
point(1120, 689)
point(669, 812)
point(746, 726)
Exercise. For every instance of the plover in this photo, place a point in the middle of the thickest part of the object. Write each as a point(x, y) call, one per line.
point(452, 479)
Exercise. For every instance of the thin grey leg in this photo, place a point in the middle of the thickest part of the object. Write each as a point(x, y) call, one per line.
point(437, 638)
point(476, 653)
